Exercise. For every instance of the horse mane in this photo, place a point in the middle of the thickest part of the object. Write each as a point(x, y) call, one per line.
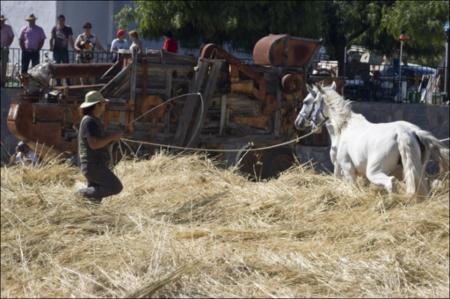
point(340, 110)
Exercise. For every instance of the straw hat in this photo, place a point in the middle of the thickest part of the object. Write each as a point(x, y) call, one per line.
point(93, 97)
point(31, 18)
point(2, 18)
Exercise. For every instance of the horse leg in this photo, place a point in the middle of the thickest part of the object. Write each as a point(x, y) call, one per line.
point(349, 172)
point(337, 170)
point(379, 178)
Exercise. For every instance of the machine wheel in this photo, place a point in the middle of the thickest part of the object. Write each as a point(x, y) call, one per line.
point(277, 160)
point(250, 164)
point(266, 164)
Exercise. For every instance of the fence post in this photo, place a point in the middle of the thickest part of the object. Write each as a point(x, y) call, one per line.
point(344, 70)
point(446, 87)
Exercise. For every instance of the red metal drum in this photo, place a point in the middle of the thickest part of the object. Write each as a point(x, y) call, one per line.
point(285, 50)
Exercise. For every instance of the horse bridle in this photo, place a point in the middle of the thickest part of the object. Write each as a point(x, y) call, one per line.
point(325, 118)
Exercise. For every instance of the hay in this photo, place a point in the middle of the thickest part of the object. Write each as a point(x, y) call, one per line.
point(184, 228)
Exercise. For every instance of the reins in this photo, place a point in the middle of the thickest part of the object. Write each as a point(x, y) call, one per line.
point(228, 150)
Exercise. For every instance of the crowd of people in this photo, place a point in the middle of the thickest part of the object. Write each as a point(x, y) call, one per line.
point(32, 37)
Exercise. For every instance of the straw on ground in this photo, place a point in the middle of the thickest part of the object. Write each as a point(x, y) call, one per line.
point(185, 228)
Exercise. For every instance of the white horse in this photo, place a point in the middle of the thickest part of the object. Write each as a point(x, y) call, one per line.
point(377, 151)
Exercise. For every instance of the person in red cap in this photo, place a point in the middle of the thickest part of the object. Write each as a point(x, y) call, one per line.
point(119, 43)
point(170, 44)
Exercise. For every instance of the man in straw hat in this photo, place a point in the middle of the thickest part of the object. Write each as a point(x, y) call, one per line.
point(7, 37)
point(31, 41)
point(93, 145)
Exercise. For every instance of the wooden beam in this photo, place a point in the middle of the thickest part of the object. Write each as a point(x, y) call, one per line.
point(207, 96)
point(188, 108)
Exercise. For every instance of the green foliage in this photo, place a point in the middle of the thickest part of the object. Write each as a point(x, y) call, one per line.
point(240, 23)
point(423, 22)
point(376, 25)
point(373, 24)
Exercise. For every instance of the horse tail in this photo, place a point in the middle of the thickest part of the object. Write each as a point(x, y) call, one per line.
point(437, 149)
point(410, 155)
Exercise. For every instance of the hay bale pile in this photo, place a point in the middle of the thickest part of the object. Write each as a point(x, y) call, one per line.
point(185, 228)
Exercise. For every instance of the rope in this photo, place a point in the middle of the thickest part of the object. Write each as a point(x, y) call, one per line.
point(140, 142)
point(229, 150)
point(169, 100)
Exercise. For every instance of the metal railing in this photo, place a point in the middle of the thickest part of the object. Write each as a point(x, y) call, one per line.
point(14, 65)
point(383, 83)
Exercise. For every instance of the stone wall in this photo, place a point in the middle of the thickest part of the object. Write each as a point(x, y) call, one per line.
point(431, 118)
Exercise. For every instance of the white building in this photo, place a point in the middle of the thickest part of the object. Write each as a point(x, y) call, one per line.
point(98, 13)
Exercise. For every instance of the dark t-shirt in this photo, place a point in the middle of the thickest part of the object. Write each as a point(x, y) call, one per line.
point(91, 126)
point(61, 36)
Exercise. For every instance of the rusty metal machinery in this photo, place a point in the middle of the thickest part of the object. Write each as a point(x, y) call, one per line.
point(243, 102)
point(285, 51)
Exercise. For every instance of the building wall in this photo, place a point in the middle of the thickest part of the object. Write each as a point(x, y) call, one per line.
point(17, 11)
point(98, 13)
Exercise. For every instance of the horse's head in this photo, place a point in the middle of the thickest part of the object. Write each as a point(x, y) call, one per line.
point(312, 113)
point(306, 114)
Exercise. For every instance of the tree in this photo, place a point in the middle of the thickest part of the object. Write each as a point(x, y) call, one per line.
point(355, 23)
point(423, 22)
point(375, 25)
point(239, 23)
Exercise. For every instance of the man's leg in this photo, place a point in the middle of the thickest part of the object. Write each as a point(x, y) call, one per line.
point(65, 59)
point(25, 61)
point(101, 181)
point(35, 58)
point(57, 57)
point(4, 59)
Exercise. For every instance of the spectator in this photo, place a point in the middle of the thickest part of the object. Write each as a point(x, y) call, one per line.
point(31, 41)
point(85, 45)
point(7, 37)
point(136, 46)
point(119, 43)
point(23, 155)
point(62, 36)
point(170, 44)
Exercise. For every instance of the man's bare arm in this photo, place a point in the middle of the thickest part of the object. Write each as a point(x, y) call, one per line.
point(97, 143)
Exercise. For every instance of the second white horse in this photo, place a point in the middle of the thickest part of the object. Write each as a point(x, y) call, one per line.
point(381, 152)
